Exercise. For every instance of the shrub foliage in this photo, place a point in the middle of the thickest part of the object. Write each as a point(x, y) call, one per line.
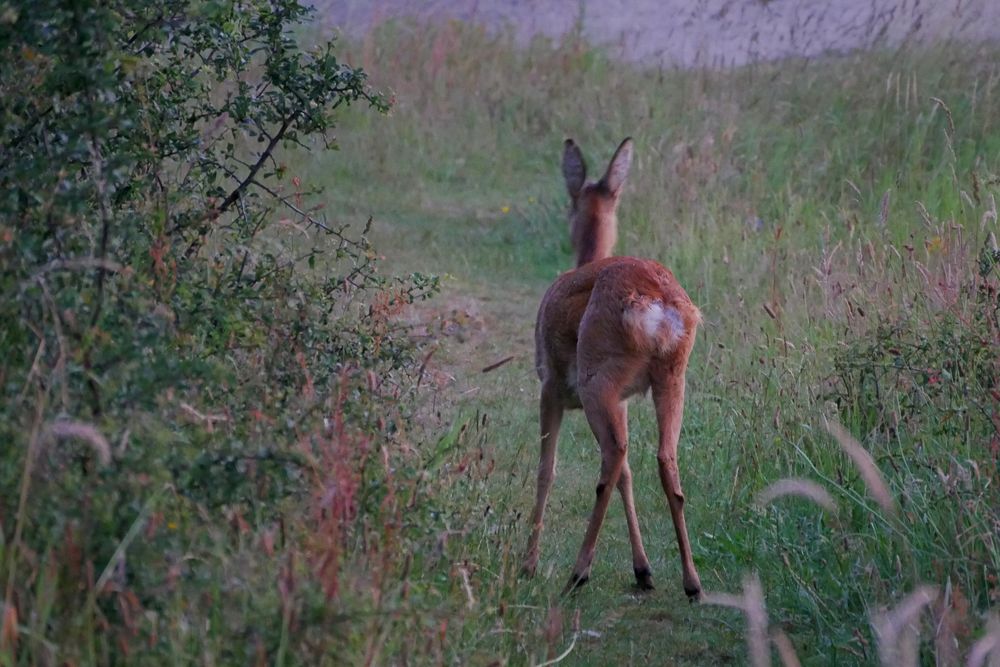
point(187, 339)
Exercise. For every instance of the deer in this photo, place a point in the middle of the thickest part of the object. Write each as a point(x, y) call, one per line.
point(609, 329)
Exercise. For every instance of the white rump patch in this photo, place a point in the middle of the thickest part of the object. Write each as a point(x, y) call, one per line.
point(653, 326)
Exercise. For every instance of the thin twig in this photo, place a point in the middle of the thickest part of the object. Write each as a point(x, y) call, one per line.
point(249, 178)
point(498, 364)
point(31, 371)
point(119, 553)
point(61, 339)
point(102, 205)
point(73, 264)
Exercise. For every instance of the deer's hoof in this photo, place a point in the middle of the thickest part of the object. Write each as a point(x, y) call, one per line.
point(575, 582)
point(644, 579)
point(694, 594)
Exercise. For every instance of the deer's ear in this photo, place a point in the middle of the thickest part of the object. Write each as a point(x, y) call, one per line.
point(574, 168)
point(618, 167)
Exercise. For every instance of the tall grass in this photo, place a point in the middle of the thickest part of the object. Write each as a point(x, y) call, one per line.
point(832, 218)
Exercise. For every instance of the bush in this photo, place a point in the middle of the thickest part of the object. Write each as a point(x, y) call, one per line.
point(184, 334)
point(931, 373)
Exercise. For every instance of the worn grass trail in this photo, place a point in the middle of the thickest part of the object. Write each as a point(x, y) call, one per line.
point(498, 260)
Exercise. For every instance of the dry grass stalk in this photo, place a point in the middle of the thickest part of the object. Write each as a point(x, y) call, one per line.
point(896, 628)
point(118, 557)
point(786, 651)
point(75, 264)
point(553, 631)
point(207, 419)
point(990, 216)
point(883, 212)
point(39, 353)
point(950, 618)
point(66, 429)
point(8, 630)
point(802, 488)
point(865, 464)
point(757, 645)
point(8, 627)
point(986, 651)
point(925, 216)
point(470, 599)
point(569, 649)
point(751, 603)
point(951, 119)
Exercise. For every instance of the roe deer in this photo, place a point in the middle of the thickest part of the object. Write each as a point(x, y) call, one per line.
point(611, 328)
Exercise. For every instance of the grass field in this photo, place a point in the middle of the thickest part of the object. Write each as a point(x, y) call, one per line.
point(235, 437)
point(832, 220)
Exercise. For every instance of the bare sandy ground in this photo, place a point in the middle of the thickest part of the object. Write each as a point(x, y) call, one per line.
point(700, 32)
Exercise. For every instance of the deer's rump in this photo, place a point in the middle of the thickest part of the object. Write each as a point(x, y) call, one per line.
point(622, 305)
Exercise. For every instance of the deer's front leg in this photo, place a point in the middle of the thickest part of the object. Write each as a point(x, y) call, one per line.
point(550, 418)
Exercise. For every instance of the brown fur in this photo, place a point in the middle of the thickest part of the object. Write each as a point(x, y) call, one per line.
point(607, 330)
point(594, 228)
point(593, 206)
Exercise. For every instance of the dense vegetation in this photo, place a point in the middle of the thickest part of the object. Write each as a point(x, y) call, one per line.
point(196, 360)
point(227, 439)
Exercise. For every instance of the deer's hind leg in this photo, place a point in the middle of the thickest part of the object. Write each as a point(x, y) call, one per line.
point(668, 397)
point(640, 562)
point(607, 416)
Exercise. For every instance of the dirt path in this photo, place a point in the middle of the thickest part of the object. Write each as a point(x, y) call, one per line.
point(702, 32)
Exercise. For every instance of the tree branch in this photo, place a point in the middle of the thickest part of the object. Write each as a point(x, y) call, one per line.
point(235, 194)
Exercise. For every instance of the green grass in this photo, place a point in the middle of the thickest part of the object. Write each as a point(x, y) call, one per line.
point(761, 185)
point(831, 218)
